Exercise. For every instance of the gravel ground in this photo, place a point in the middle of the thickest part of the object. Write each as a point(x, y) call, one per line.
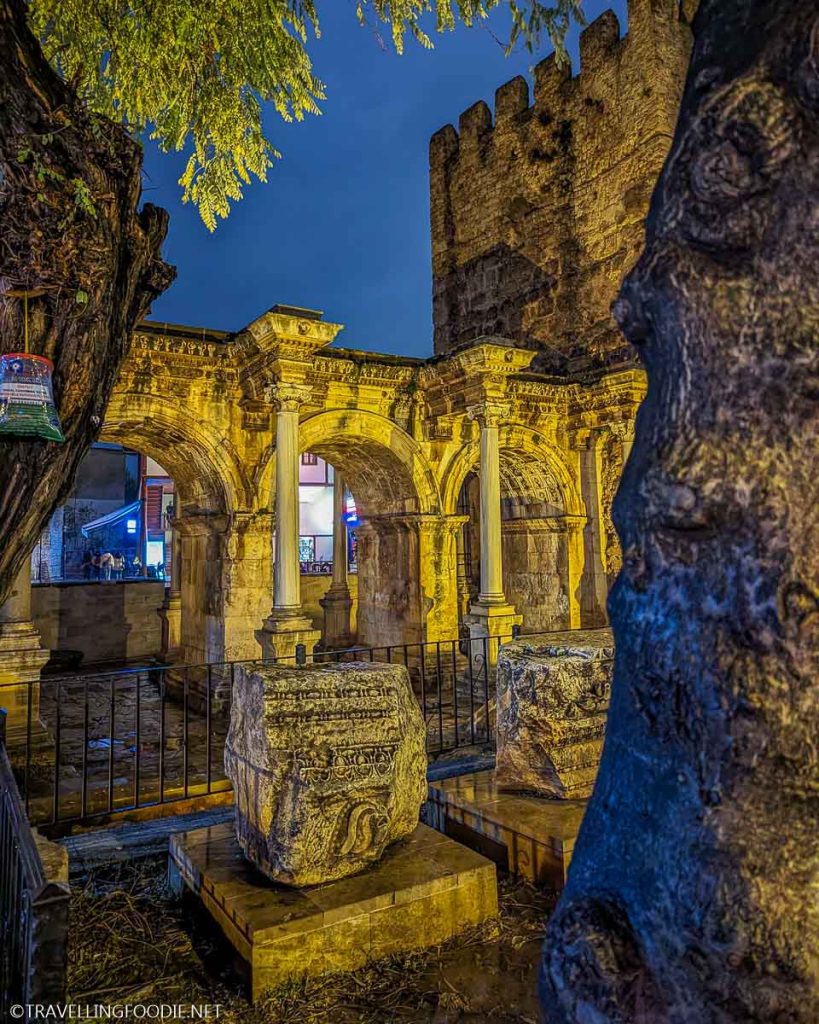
point(132, 941)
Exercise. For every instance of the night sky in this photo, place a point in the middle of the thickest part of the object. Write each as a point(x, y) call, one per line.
point(342, 224)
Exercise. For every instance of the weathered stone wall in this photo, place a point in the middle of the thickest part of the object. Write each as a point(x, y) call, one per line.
point(389, 604)
point(537, 217)
point(106, 621)
point(203, 622)
point(536, 572)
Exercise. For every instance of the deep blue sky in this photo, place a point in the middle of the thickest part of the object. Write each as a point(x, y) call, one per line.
point(342, 224)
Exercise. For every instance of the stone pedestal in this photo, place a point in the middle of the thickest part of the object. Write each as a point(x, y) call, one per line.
point(170, 615)
point(494, 622)
point(552, 703)
point(337, 602)
point(425, 890)
point(337, 605)
point(282, 634)
point(525, 835)
point(328, 764)
point(22, 658)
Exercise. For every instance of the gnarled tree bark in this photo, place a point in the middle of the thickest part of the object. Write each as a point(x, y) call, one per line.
point(692, 896)
point(71, 231)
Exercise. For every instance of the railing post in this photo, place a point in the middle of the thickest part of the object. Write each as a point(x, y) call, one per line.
point(301, 654)
point(516, 631)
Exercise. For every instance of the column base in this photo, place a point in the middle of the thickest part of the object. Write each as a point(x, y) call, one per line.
point(22, 658)
point(282, 633)
point(337, 604)
point(492, 621)
point(464, 598)
point(171, 616)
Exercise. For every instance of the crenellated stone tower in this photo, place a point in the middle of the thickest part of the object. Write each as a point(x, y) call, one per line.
point(537, 217)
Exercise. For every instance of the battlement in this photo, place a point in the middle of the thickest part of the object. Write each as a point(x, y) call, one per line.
point(537, 205)
point(606, 58)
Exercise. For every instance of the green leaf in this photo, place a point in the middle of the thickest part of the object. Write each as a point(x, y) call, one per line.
point(195, 76)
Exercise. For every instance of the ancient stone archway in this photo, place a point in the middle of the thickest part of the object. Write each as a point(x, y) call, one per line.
point(211, 478)
point(545, 469)
point(402, 539)
point(542, 520)
point(404, 433)
point(221, 549)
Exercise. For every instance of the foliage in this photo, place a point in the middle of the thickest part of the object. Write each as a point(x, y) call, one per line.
point(196, 73)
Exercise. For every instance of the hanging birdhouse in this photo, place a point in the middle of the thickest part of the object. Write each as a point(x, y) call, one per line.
point(26, 397)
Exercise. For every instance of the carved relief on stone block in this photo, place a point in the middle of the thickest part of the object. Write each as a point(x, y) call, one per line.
point(553, 700)
point(328, 765)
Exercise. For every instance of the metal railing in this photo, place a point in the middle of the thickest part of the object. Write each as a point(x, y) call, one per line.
point(89, 746)
point(33, 908)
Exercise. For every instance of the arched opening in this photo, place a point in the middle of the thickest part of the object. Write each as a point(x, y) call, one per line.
point(393, 489)
point(208, 487)
point(101, 567)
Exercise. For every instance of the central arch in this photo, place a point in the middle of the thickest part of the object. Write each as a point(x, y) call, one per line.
point(395, 492)
point(384, 467)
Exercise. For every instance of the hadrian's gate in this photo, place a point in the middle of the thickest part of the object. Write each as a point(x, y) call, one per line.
point(483, 490)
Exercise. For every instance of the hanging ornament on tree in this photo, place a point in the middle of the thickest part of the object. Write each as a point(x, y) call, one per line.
point(26, 396)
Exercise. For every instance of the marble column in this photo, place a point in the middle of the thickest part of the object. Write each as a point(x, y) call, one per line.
point(287, 627)
point(492, 615)
point(491, 548)
point(22, 657)
point(337, 601)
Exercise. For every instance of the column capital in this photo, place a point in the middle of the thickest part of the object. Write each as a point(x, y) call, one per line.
point(585, 438)
point(622, 430)
point(490, 412)
point(287, 397)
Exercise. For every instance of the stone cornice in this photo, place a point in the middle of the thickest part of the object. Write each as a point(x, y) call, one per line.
point(290, 336)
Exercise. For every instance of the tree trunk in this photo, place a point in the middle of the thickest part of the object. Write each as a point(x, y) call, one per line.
point(692, 893)
point(69, 229)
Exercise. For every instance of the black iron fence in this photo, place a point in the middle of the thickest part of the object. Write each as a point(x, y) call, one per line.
point(33, 908)
point(87, 746)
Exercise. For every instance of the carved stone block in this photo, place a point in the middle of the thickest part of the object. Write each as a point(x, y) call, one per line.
point(552, 703)
point(328, 764)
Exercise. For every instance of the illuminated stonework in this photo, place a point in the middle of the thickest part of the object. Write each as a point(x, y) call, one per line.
point(406, 434)
point(484, 477)
point(328, 764)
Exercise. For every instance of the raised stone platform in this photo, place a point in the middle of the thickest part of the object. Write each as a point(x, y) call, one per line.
point(532, 837)
point(423, 891)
